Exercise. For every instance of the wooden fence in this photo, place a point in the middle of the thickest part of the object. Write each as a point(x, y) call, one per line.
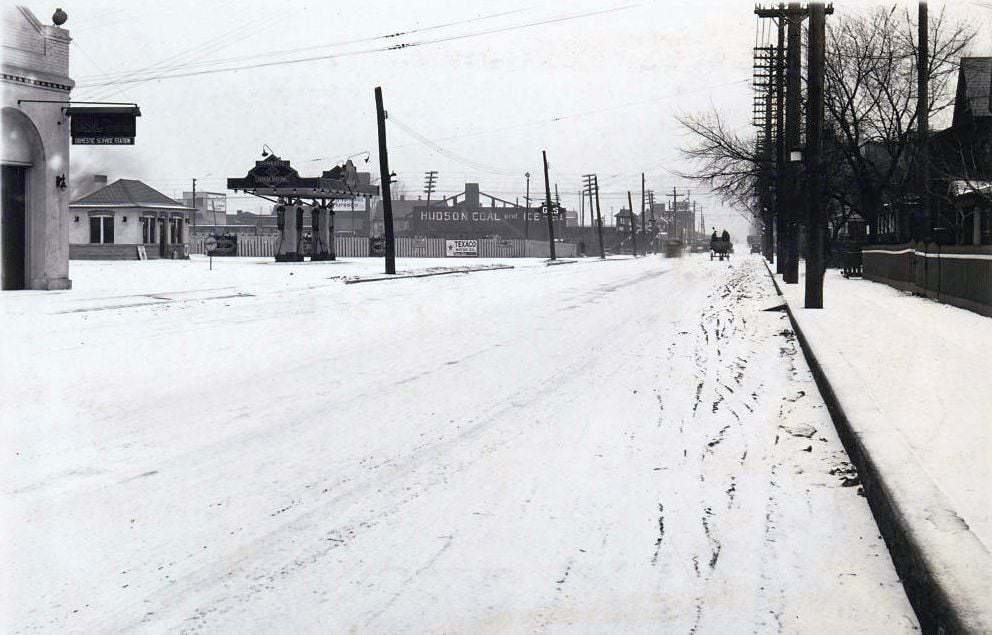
point(958, 275)
point(266, 245)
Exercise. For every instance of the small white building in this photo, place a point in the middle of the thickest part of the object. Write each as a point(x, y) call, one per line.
point(34, 246)
point(127, 218)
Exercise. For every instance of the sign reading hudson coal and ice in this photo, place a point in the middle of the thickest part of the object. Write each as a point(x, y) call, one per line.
point(504, 222)
point(461, 248)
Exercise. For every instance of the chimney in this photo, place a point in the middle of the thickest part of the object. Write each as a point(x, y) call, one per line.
point(99, 180)
point(471, 196)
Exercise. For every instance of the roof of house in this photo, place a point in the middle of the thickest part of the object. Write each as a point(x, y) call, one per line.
point(127, 193)
point(974, 93)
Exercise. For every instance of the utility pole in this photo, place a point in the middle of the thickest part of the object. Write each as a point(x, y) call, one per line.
point(815, 222)
point(385, 176)
point(599, 219)
point(792, 107)
point(582, 208)
point(780, 150)
point(643, 215)
point(430, 182)
point(547, 193)
point(923, 118)
point(783, 203)
point(633, 226)
point(527, 212)
point(654, 223)
point(194, 213)
point(693, 239)
point(788, 194)
point(768, 154)
point(673, 214)
point(588, 189)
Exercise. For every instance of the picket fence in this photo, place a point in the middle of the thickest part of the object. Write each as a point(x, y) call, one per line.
point(266, 245)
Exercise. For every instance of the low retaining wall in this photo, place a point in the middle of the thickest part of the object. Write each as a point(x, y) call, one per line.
point(958, 275)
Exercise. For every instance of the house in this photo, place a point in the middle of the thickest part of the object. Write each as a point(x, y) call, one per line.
point(126, 220)
point(961, 158)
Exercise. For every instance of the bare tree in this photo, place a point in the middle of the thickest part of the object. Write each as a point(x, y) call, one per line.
point(870, 101)
point(870, 112)
point(729, 163)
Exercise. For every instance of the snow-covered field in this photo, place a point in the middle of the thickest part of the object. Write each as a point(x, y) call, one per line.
point(621, 446)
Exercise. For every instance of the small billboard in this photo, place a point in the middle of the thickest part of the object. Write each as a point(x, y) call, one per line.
point(461, 248)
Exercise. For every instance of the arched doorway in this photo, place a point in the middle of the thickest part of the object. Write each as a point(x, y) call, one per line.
point(13, 227)
point(22, 150)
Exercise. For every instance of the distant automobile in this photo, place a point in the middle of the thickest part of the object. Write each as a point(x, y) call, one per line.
point(755, 243)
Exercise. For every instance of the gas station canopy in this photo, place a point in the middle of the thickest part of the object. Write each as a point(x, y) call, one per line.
point(273, 176)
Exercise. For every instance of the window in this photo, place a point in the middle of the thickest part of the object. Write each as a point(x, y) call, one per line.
point(175, 230)
point(101, 229)
point(147, 229)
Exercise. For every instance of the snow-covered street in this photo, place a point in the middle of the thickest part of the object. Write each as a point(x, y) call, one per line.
point(630, 445)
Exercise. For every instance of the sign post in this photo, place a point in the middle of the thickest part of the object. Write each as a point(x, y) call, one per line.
point(210, 244)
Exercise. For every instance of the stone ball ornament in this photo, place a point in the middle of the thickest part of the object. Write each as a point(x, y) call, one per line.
point(59, 17)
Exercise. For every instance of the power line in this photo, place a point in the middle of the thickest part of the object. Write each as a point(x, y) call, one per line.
point(394, 47)
point(482, 167)
point(208, 63)
point(233, 36)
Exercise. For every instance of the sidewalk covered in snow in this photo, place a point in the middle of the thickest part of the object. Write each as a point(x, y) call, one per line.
point(913, 378)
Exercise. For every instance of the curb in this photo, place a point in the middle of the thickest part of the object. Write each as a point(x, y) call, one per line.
point(425, 274)
point(943, 567)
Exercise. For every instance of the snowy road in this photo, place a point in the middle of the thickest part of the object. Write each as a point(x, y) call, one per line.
point(628, 445)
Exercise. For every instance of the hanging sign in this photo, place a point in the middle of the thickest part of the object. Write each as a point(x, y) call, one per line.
point(103, 125)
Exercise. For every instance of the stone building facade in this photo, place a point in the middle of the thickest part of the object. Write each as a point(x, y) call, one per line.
point(34, 244)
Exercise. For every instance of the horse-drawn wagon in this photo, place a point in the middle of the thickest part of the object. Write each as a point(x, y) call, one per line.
point(721, 249)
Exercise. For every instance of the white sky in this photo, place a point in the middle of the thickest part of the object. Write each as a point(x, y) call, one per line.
point(614, 82)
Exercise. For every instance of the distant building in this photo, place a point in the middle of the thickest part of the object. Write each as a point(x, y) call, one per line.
point(211, 207)
point(113, 221)
point(622, 220)
point(34, 245)
point(402, 216)
point(244, 222)
point(466, 215)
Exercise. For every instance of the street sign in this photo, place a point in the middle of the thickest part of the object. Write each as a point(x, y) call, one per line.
point(377, 246)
